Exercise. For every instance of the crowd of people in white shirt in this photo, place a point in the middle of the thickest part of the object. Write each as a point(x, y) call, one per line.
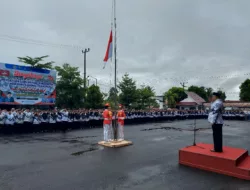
point(26, 119)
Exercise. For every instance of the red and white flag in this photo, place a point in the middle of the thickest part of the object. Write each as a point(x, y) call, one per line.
point(109, 50)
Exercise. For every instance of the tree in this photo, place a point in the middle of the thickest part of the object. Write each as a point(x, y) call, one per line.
point(171, 99)
point(245, 90)
point(94, 97)
point(36, 62)
point(145, 97)
point(174, 95)
point(113, 95)
point(222, 95)
point(128, 92)
point(155, 104)
point(179, 93)
point(69, 87)
point(209, 92)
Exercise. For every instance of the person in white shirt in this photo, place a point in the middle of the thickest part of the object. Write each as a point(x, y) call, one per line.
point(2, 117)
point(65, 118)
point(52, 120)
point(13, 111)
point(216, 120)
point(19, 117)
point(65, 115)
point(36, 118)
point(52, 117)
point(28, 120)
point(28, 117)
point(10, 119)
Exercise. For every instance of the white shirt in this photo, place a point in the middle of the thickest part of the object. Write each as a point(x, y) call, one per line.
point(28, 117)
point(215, 115)
point(10, 120)
point(19, 118)
point(2, 118)
point(65, 116)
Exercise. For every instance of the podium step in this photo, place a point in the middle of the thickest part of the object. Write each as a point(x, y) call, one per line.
point(232, 161)
point(245, 164)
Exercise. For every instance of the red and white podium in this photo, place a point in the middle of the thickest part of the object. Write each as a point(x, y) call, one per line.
point(232, 161)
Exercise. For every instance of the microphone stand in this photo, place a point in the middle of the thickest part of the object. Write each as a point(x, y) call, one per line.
point(194, 142)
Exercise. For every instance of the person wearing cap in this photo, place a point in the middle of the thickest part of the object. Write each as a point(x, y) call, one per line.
point(215, 118)
point(120, 120)
point(107, 123)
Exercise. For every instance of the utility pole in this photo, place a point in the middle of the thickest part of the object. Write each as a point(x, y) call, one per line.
point(85, 79)
point(183, 85)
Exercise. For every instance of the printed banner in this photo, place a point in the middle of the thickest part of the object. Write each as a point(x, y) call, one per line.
point(27, 85)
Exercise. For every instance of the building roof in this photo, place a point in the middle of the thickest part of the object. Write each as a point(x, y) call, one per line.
point(196, 97)
point(232, 101)
point(238, 105)
point(192, 99)
point(186, 104)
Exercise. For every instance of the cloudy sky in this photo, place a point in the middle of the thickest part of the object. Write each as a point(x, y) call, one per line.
point(160, 42)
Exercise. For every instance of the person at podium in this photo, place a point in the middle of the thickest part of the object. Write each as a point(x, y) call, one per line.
point(215, 118)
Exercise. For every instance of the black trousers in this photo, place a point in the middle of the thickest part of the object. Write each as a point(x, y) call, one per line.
point(217, 137)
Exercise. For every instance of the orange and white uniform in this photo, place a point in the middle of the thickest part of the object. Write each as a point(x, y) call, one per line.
point(120, 120)
point(107, 117)
point(107, 124)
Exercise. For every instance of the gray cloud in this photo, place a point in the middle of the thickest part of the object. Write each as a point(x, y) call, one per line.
point(157, 40)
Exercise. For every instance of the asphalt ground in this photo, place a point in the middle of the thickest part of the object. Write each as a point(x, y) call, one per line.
point(73, 160)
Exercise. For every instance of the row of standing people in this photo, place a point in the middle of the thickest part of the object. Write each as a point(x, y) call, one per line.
point(37, 117)
point(27, 120)
point(54, 116)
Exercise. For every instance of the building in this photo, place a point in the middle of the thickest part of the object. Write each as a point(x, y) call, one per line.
point(192, 102)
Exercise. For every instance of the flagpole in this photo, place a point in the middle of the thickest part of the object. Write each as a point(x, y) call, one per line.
point(115, 42)
point(115, 79)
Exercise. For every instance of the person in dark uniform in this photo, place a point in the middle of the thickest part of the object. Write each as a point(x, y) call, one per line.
point(215, 118)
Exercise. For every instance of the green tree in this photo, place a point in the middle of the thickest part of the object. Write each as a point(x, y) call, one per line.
point(171, 99)
point(69, 87)
point(113, 95)
point(36, 62)
point(245, 90)
point(155, 104)
point(209, 92)
point(205, 93)
point(222, 95)
point(128, 91)
point(174, 95)
point(145, 97)
point(94, 98)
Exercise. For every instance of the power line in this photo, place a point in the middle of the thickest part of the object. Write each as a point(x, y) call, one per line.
point(37, 42)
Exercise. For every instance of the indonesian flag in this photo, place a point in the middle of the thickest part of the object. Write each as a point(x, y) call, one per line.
point(109, 50)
